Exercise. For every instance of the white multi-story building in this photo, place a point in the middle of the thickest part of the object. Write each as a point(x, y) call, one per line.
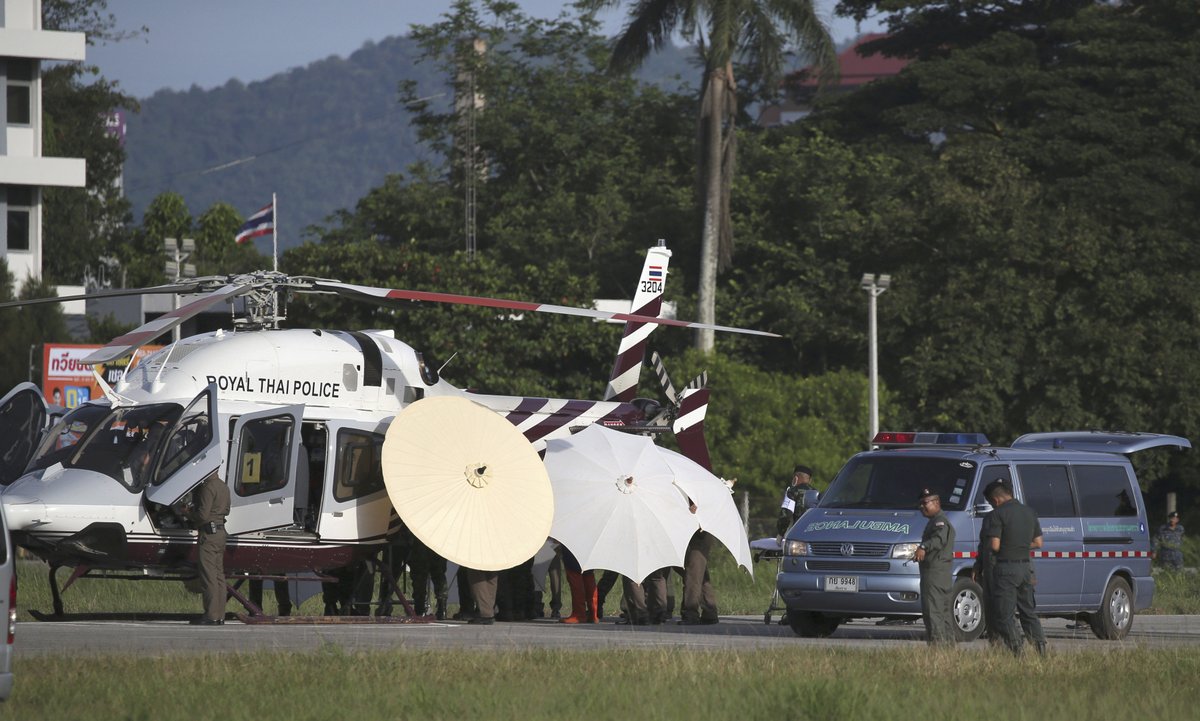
point(24, 171)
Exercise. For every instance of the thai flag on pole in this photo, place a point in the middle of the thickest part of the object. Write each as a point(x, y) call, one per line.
point(260, 223)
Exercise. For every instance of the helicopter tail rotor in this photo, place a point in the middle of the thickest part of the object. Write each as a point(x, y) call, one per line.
point(690, 407)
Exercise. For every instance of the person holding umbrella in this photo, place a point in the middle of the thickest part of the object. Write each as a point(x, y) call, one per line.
point(584, 599)
point(699, 599)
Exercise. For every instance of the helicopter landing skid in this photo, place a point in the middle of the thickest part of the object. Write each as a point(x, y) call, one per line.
point(329, 620)
point(135, 616)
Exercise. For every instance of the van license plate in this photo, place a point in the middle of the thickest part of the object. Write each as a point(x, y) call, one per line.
point(842, 584)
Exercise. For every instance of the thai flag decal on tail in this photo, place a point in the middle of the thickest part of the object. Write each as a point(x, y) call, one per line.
point(655, 272)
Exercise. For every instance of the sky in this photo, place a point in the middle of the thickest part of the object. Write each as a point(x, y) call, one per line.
point(206, 43)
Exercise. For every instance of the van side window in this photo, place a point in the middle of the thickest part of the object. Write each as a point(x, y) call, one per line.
point(1046, 489)
point(986, 476)
point(1104, 491)
point(358, 471)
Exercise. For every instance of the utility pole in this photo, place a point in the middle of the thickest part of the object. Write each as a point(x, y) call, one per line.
point(467, 104)
point(875, 288)
point(176, 269)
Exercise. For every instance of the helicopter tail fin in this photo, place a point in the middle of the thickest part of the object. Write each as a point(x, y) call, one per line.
point(689, 425)
point(647, 301)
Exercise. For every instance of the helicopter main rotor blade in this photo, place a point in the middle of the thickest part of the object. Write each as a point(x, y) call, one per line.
point(189, 287)
point(391, 294)
point(136, 338)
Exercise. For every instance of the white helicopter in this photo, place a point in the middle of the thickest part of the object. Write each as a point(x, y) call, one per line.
point(294, 421)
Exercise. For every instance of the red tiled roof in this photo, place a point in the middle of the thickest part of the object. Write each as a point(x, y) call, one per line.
point(856, 69)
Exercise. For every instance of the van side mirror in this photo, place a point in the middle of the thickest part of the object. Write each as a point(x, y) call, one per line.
point(811, 498)
point(981, 509)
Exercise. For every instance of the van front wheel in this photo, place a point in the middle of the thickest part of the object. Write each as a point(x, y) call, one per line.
point(966, 598)
point(1115, 617)
point(810, 624)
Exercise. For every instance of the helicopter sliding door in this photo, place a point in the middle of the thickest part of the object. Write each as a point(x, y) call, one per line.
point(22, 419)
point(263, 468)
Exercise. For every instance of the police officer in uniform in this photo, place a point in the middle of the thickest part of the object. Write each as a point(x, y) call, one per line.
point(1168, 542)
point(980, 575)
point(1013, 531)
point(483, 589)
point(934, 556)
point(699, 599)
point(793, 501)
point(208, 512)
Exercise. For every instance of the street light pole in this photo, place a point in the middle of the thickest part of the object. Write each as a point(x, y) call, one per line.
point(875, 288)
point(176, 269)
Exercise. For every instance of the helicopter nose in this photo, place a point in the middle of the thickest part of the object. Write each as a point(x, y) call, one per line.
point(24, 513)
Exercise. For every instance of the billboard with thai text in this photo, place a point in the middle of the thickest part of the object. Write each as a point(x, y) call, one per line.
point(68, 381)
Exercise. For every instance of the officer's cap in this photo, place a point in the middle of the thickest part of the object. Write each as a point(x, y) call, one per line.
point(802, 469)
point(926, 493)
point(1173, 514)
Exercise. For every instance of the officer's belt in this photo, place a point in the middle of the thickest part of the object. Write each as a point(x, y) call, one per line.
point(1012, 560)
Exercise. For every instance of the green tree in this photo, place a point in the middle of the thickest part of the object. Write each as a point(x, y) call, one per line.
point(142, 258)
point(726, 30)
point(24, 329)
point(1040, 260)
point(581, 166)
point(80, 225)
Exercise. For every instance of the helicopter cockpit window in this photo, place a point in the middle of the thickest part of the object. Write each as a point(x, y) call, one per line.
point(263, 465)
point(191, 436)
point(358, 471)
point(125, 443)
point(59, 444)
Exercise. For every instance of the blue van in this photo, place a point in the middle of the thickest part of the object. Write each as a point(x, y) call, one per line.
point(851, 554)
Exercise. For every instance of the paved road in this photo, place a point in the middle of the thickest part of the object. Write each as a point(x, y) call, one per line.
point(157, 638)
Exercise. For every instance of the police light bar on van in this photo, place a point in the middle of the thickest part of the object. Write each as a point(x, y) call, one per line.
point(892, 438)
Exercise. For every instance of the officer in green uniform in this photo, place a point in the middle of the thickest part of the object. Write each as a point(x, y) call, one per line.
point(1013, 530)
point(1168, 543)
point(934, 556)
point(208, 512)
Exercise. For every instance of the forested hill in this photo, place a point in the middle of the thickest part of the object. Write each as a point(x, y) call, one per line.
point(319, 137)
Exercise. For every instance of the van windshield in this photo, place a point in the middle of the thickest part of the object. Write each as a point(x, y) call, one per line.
point(897, 481)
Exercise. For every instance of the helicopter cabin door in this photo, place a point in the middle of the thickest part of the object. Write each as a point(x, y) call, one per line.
point(22, 419)
point(264, 462)
point(191, 452)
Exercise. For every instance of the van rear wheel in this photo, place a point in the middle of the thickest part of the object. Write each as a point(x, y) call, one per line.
point(810, 624)
point(966, 598)
point(1115, 617)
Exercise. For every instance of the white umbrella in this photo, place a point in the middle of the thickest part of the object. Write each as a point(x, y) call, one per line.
point(615, 506)
point(715, 509)
point(467, 483)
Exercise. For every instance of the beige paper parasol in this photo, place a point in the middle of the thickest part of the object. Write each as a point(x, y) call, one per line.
point(467, 483)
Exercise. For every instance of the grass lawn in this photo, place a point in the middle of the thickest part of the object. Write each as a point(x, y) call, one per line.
point(804, 683)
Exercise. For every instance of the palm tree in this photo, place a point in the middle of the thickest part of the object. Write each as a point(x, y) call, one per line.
point(757, 32)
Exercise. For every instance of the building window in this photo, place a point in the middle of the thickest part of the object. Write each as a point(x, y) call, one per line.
point(20, 211)
point(19, 91)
